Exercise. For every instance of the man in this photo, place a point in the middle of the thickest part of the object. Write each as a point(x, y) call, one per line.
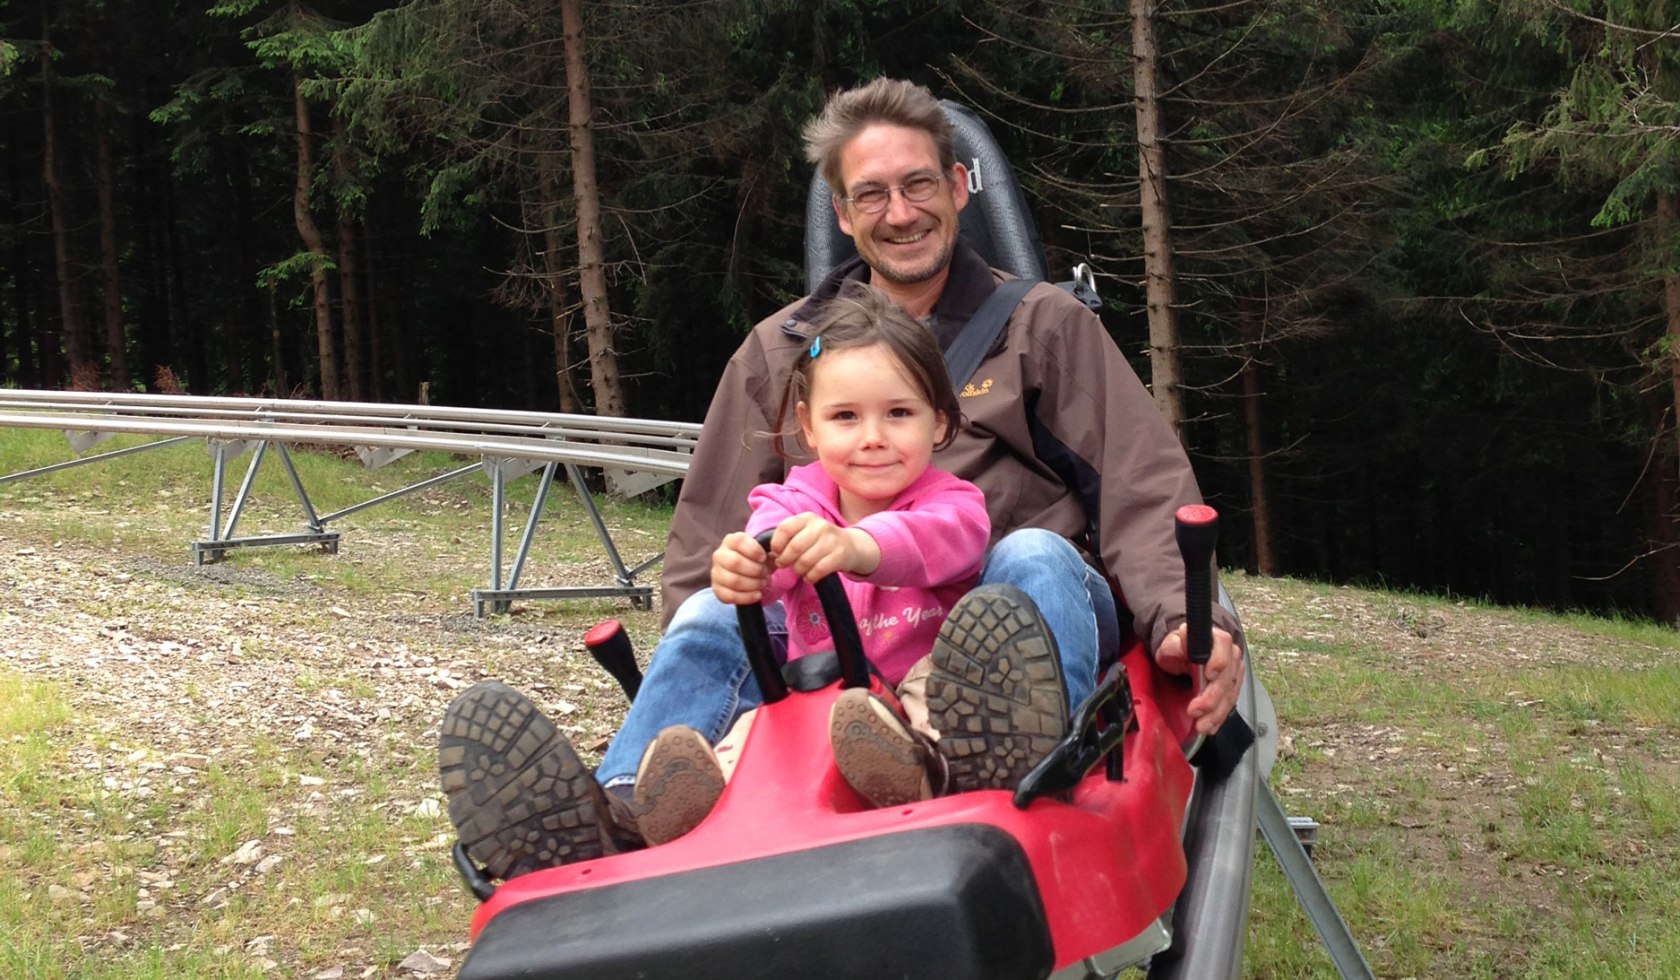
point(1081, 477)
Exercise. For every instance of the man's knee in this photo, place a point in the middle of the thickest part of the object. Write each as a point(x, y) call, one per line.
point(706, 626)
point(1032, 548)
point(703, 610)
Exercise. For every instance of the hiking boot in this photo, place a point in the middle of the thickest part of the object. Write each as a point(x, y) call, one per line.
point(877, 752)
point(519, 797)
point(678, 782)
point(996, 695)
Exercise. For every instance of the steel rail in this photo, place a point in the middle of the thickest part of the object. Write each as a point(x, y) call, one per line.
point(503, 439)
point(436, 416)
point(677, 439)
point(544, 449)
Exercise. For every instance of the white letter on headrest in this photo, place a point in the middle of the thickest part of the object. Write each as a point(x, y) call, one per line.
point(974, 182)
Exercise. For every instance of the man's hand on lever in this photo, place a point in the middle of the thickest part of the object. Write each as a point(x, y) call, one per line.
point(1221, 676)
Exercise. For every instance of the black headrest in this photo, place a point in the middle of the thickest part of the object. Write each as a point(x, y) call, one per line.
point(996, 223)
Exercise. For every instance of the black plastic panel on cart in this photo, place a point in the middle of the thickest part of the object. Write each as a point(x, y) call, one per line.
point(955, 901)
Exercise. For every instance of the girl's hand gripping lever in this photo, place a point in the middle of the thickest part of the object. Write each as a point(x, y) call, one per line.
point(842, 625)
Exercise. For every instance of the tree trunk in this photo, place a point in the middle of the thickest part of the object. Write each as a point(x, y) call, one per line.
point(17, 267)
point(248, 360)
point(325, 345)
point(151, 197)
point(397, 266)
point(370, 307)
point(592, 277)
point(1157, 223)
point(349, 285)
point(20, 316)
point(83, 373)
point(554, 283)
point(560, 322)
point(25, 375)
point(1665, 546)
point(1668, 230)
point(277, 345)
point(350, 312)
point(188, 368)
point(1260, 506)
point(1667, 515)
point(23, 324)
point(116, 333)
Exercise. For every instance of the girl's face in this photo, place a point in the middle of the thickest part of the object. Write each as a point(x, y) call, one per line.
point(872, 431)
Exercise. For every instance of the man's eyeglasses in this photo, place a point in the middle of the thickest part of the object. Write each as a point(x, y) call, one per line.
point(874, 200)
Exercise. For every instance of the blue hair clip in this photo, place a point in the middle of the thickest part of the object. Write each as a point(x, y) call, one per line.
point(816, 346)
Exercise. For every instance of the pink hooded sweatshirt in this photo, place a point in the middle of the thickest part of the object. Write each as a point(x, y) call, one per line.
point(932, 538)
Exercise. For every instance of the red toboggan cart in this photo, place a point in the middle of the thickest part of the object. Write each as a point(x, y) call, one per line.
point(1131, 845)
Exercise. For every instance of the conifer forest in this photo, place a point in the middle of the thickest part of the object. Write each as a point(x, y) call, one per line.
point(1412, 266)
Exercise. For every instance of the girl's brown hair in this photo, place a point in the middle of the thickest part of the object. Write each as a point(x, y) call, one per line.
point(862, 316)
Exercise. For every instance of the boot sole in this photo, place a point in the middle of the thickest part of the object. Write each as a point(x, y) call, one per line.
point(875, 752)
point(519, 796)
point(996, 691)
point(677, 784)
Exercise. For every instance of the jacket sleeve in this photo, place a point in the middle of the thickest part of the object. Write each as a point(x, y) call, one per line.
point(940, 538)
point(1099, 427)
point(734, 455)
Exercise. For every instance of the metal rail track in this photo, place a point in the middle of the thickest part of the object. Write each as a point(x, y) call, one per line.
point(635, 454)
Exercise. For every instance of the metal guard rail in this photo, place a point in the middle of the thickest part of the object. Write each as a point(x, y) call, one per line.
point(636, 454)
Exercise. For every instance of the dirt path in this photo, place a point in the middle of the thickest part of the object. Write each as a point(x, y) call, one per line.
point(137, 640)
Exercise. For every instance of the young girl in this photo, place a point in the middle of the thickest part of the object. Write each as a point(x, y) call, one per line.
point(872, 400)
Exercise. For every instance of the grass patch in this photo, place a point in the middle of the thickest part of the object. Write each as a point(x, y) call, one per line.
point(1497, 789)
point(47, 798)
point(1637, 694)
point(265, 861)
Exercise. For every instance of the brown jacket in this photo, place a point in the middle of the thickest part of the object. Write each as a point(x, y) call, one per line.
point(1059, 434)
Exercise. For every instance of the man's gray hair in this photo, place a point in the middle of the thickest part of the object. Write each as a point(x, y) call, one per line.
point(893, 101)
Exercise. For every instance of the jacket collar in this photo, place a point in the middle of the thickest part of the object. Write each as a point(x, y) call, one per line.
point(970, 282)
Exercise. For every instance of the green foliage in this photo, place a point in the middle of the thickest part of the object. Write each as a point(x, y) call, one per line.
point(297, 267)
point(452, 200)
point(235, 8)
point(1615, 122)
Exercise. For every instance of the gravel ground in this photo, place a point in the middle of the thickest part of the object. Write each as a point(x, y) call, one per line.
point(174, 671)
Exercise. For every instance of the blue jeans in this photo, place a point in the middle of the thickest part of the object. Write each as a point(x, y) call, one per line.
point(699, 675)
point(1073, 598)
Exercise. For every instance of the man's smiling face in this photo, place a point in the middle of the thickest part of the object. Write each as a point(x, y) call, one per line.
point(910, 242)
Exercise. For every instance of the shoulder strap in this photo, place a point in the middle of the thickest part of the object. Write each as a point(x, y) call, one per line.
point(971, 346)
